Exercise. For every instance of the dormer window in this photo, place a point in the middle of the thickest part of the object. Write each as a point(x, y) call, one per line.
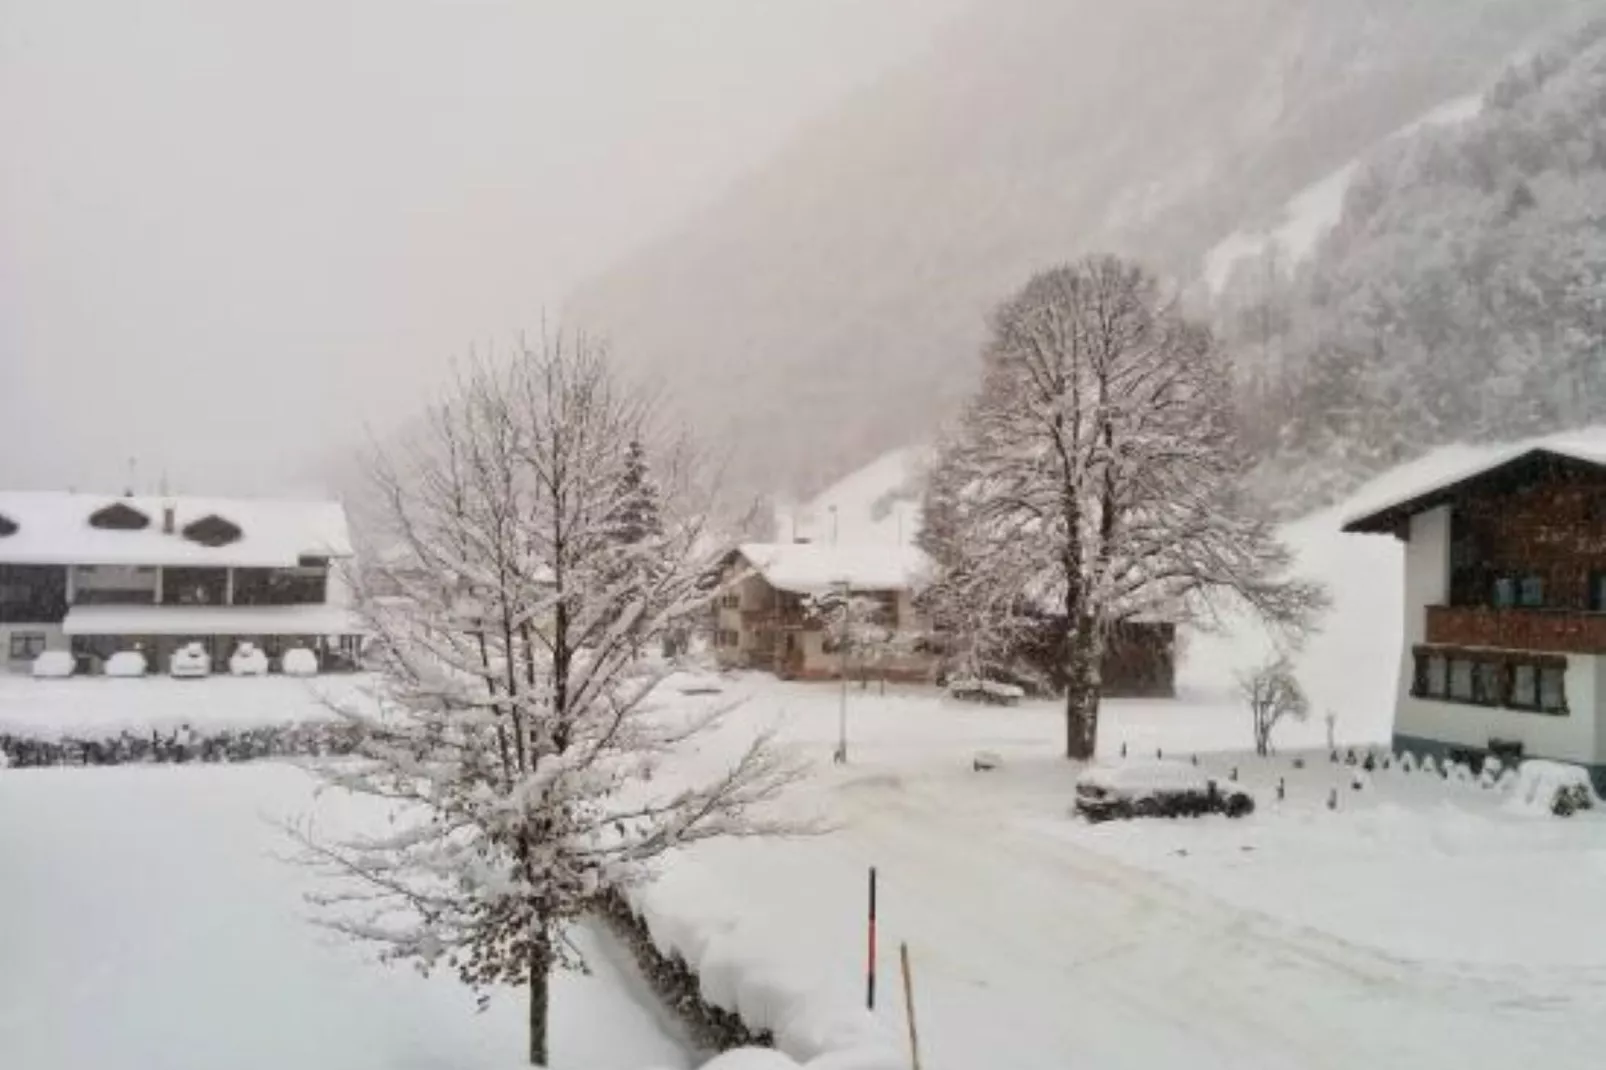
point(212, 530)
point(119, 516)
point(8, 526)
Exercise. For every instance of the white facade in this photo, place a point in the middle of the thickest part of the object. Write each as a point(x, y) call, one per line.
point(1575, 737)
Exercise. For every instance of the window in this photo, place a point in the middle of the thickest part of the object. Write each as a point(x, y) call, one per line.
point(1597, 591)
point(731, 601)
point(25, 646)
point(1531, 592)
point(1553, 690)
point(1536, 684)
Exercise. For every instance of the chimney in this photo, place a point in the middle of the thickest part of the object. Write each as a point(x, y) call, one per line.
point(167, 519)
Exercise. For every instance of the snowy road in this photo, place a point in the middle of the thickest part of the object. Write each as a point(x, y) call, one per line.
point(1036, 946)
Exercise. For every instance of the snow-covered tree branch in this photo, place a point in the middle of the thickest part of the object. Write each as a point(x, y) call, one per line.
point(532, 563)
point(1093, 479)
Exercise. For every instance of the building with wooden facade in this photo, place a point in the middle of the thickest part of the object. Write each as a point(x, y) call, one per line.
point(1505, 604)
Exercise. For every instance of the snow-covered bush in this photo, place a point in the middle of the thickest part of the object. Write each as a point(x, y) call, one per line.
point(221, 745)
point(248, 660)
point(1545, 787)
point(127, 663)
point(299, 661)
point(53, 665)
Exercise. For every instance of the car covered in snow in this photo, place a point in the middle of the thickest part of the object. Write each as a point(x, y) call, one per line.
point(299, 661)
point(53, 665)
point(189, 662)
point(127, 663)
point(1156, 789)
point(248, 659)
point(988, 692)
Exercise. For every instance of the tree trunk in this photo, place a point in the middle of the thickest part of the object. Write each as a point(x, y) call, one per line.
point(1083, 686)
point(540, 994)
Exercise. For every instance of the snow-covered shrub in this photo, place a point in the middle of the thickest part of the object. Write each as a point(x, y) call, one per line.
point(985, 761)
point(53, 665)
point(184, 745)
point(127, 663)
point(1460, 773)
point(1408, 762)
point(299, 661)
point(1545, 787)
point(248, 659)
point(1428, 765)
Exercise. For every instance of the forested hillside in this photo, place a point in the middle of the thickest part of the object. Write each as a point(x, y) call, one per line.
point(830, 307)
point(1461, 296)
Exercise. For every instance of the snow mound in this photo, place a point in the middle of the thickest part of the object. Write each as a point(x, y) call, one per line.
point(53, 665)
point(189, 662)
point(299, 662)
point(126, 663)
point(1544, 788)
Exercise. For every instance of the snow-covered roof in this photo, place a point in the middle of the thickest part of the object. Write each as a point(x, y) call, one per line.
point(53, 528)
point(209, 620)
point(809, 568)
point(1436, 478)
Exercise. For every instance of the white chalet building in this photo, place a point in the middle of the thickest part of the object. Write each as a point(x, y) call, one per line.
point(1505, 604)
point(96, 574)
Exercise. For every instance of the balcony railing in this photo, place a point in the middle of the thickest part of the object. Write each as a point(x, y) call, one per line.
point(1554, 630)
point(776, 618)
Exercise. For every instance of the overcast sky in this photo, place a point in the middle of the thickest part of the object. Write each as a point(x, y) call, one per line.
point(234, 231)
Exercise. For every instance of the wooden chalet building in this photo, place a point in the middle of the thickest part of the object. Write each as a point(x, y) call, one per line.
point(1505, 604)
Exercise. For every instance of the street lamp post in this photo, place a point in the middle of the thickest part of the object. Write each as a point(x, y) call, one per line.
point(844, 640)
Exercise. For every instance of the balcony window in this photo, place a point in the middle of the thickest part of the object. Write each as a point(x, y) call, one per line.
point(1553, 690)
point(1462, 688)
point(1531, 592)
point(1597, 591)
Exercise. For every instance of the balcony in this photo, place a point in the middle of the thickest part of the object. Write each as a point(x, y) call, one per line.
point(777, 619)
point(1559, 631)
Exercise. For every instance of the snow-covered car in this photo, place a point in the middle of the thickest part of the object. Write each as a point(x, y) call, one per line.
point(990, 692)
point(53, 665)
point(1156, 789)
point(248, 659)
point(299, 661)
point(127, 663)
point(189, 662)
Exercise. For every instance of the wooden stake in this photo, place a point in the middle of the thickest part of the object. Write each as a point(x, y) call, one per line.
point(869, 972)
point(909, 1007)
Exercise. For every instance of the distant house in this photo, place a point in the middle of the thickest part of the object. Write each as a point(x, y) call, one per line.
point(1505, 604)
point(96, 574)
point(761, 617)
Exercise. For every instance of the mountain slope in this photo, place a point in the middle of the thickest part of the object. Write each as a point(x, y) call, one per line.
point(829, 307)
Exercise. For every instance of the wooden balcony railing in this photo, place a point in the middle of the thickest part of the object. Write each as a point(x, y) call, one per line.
point(1554, 630)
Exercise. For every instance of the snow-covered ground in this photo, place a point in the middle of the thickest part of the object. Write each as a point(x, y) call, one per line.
point(148, 921)
point(90, 706)
point(1421, 924)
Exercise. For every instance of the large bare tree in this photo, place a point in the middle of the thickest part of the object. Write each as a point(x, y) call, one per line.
point(515, 732)
point(1094, 478)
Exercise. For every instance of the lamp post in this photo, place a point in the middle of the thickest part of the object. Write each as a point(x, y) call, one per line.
point(843, 641)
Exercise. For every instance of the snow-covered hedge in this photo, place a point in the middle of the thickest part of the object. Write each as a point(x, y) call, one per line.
point(299, 662)
point(184, 745)
point(678, 988)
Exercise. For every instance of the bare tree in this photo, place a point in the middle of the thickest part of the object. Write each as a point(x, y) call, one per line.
point(1273, 693)
point(514, 731)
point(1095, 477)
point(860, 627)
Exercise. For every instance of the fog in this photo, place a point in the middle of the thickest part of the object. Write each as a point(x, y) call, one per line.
point(233, 235)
